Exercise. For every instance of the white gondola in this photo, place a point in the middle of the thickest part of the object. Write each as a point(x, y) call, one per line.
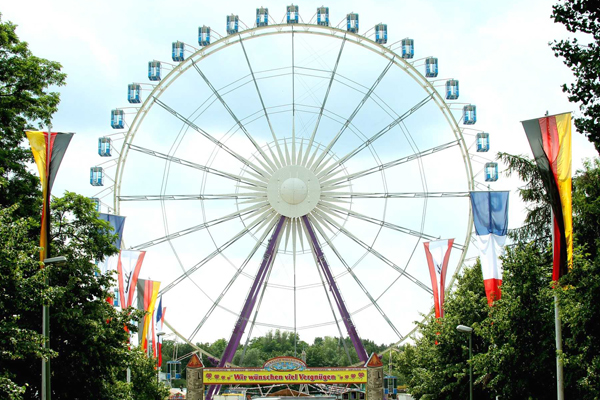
point(104, 147)
point(323, 16)
point(292, 14)
point(452, 89)
point(431, 67)
point(96, 176)
point(381, 33)
point(154, 70)
point(352, 22)
point(232, 24)
point(117, 119)
point(483, 142)
point(491, 172)
point(469, 114)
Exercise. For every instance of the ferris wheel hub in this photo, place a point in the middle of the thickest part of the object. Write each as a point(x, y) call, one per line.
point(293, 191)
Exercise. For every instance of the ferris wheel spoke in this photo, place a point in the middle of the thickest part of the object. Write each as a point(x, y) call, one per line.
point(382, 132)
point(281, 159)
point(272, 221)
point(235, 118)
point(245, 212)
point(317, 224)
point(326, 290)
point(211, 138)
point(212, 255)
point(314, 166)
point(382, 167)
point(331, 80)
point(235, 196)
point(332, 194)
point(331, 208)
point(401, 271)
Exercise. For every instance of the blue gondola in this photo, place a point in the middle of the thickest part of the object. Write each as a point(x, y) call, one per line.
point(117, 120)
point(232, 24)
point(469, 114)
point(134, 91)
point(323, 16)
point(96, 176)
point(431, 67)
point(292, 14)
point(204, 35)
point(352, 22)
point(174, 369)
point(483, 142)
point(178, 51)
point(390, 388)
point(491, 172)
point(381, 33)
point(408, 48)
point(452, 89)
point(96, 202)
point(104, 147)
point(154, 70)
point(262, 16)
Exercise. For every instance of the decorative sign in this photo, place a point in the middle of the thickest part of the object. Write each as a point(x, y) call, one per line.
point(236, 376)
point(285, 364)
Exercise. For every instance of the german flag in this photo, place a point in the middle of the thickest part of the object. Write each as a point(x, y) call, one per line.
point(48, 151)
point(550, 141)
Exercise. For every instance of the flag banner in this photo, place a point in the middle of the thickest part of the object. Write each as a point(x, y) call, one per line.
point(490, 217)
point(438, 254)
point(117, 223)
point(147, 294)
point(550, 141)
point(159, 321)
point(48, 151)
point(129, 265)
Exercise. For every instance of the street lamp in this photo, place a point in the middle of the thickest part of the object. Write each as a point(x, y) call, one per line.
point(469, 330)
point(46, 389)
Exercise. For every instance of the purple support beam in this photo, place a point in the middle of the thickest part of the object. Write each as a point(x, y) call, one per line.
point(358, 345)
point(242, 321)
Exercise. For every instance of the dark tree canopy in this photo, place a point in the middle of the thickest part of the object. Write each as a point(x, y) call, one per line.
point(26, 102)
point(583, 58)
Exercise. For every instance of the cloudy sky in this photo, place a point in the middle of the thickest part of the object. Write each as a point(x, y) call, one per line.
point(498, 50)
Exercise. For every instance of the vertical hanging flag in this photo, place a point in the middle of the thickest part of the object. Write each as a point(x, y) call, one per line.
point(48, 150)
point(129, 266)
point(550, 141)
point(159, 321)
point(147, 293)
point(490, 217)
point(438, 254)
point(109, 264)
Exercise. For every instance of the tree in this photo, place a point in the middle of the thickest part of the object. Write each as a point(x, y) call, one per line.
point(582, 16)
point(22, 290)
point(25, 103)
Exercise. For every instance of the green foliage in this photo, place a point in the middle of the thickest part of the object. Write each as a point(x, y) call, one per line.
point(22, 291)
point(25, 103)
point(145, 385)
point(583, 17)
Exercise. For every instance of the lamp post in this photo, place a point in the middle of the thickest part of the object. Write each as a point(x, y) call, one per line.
point(46, 388)
point(469, 330)
point(158, 335)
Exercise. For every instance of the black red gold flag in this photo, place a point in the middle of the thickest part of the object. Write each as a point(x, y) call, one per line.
point(48, 151)
point(550, 141)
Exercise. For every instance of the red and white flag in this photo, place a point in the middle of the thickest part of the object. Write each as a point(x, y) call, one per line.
point(438, 254)
point(128, 267)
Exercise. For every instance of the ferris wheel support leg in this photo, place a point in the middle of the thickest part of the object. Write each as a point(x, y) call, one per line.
point(240, 325)
point(358, 345)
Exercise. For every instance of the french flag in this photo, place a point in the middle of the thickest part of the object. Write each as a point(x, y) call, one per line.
point(490, 217)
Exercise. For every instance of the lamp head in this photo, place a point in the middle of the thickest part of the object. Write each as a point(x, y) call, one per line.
point(464, 329)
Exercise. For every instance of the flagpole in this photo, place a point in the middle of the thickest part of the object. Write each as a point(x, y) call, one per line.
point(560, 390)
point(46, 376)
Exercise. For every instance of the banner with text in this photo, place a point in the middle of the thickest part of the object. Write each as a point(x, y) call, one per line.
point(236, 376)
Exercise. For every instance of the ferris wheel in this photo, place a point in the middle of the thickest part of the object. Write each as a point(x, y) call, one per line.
point(286, 175)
